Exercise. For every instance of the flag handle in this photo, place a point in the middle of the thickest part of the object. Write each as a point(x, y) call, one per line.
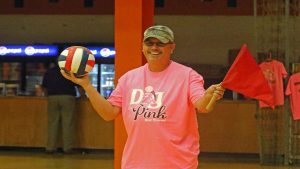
point(211, 102)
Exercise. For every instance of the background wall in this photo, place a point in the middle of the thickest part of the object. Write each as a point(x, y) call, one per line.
point(205, 30)
point(15, 29)
point(207, 39)
point(199, 39)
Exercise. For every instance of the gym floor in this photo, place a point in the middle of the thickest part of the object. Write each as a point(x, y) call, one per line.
point(17, 159)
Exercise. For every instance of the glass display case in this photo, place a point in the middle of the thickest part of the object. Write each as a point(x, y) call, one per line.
point(10, 78)
point(102, 78)
point(34, 77)
point(2, 89)
point(22, 67)
point(107, 77)
point(20, 78)
point(10, 71)
point(94, 76)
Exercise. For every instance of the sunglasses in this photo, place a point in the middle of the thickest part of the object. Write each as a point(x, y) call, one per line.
point(159, 44)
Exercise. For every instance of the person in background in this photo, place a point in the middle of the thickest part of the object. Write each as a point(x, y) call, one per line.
point(158, 102)
point(61, 105)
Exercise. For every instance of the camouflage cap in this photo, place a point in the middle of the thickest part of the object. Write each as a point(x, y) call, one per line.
point(162, 33)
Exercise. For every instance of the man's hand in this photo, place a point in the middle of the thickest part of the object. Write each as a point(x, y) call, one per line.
point(216, 93)
point(83, 81)
point(216, 90)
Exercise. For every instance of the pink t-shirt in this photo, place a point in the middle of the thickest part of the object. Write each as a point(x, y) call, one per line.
point(159, 116)
point(293, 90)
point(274, 72)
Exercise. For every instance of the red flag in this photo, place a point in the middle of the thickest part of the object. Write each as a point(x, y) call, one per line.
point(246, 77)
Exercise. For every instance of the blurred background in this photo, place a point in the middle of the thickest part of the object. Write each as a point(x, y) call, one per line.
point(208, 35)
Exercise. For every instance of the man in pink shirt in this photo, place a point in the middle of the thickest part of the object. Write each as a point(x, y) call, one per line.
point(157, 102)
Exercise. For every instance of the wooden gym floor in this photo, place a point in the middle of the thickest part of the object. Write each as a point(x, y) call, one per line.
point(20, 159)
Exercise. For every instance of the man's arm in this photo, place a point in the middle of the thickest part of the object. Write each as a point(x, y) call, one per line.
point(103, 107)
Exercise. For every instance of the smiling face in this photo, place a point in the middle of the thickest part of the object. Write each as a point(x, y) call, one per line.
point(158, 54)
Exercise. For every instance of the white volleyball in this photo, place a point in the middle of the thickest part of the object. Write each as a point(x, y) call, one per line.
point(77, 60)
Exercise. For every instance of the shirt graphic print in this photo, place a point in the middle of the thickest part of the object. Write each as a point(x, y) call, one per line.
point(147, 104)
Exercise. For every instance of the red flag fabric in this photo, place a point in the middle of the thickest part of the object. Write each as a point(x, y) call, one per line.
point(246, 77)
